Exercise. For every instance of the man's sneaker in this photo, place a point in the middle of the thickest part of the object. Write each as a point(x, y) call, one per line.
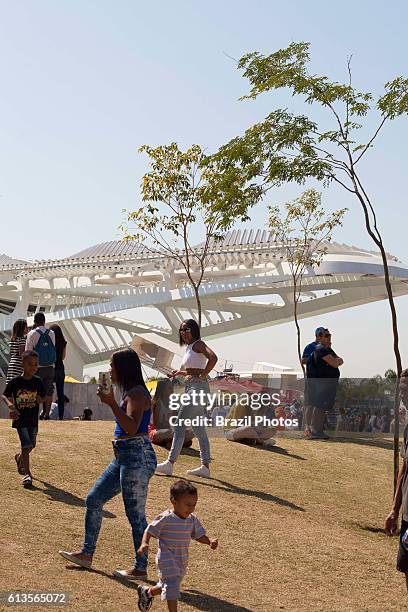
point(144, 600)
point(201, 471)
point(165, 468)
point(27, 481)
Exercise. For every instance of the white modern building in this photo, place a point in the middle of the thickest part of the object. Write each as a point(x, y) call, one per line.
point(247, 286)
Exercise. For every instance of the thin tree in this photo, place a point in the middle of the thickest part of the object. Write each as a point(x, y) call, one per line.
point(304, 231)
point(180, 193)
point(288, 147)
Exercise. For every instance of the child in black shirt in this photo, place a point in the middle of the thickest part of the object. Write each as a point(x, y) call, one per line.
point(23, 395)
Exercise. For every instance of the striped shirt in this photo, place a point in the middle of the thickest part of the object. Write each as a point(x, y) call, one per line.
point(174, 535)
point(15, 366)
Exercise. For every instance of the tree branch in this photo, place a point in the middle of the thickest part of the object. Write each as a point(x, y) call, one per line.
point(368, 145)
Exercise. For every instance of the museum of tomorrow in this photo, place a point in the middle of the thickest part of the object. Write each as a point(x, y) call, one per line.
point(247, 285)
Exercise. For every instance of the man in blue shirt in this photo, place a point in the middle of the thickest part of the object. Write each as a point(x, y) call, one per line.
point(310, 373)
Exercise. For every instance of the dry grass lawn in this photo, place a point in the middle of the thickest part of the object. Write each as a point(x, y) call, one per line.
point(300, 527)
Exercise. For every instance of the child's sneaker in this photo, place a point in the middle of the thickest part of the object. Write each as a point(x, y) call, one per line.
point(27, 481)
point(165, 468)
point(145, 600)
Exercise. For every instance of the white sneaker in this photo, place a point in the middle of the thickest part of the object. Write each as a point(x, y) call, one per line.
point(201, 471)
point(165, 468)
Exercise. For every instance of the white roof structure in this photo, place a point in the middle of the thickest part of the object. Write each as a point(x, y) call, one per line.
point(247, 285)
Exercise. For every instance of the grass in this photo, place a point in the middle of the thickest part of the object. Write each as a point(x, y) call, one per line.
point(300, 527)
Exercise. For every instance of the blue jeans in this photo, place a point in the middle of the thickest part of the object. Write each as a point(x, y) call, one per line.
point(28, 436)
point(129, 473)
point(187, 412)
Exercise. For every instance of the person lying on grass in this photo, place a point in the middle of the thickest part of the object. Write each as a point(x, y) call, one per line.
point(174, 530)
point(23, 394)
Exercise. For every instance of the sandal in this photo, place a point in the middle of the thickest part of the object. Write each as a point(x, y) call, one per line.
point(20, 467)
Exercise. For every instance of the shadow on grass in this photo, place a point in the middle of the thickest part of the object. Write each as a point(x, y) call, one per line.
point(279, 451)
point(203, 601)
point(192, 452)
point(192, 597)
point(231, 488)
point(375, 442)
point(369, 528)
point(60, 495)
point(129, 584)
point(228, 487)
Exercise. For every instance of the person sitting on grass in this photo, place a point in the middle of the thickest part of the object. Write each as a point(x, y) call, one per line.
point(23, 394)
point(159, 430)
point(174, 530)
point(56, 411)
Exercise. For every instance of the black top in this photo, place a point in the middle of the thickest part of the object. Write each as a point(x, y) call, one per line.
point(24, 394)
point(323, 369)
point(59, 349)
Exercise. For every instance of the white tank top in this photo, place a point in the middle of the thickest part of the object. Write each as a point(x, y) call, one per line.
point(192, 359)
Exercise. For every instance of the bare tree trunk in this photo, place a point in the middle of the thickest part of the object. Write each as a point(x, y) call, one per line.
point(377, 239)
point(198, 301)
point(299, 348)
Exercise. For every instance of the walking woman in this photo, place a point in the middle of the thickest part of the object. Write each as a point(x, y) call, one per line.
point(132, 467)
point(197, 363)
point(17, 348)
point(59, 369)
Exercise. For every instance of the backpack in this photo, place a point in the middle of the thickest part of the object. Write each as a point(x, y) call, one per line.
point(45, 348)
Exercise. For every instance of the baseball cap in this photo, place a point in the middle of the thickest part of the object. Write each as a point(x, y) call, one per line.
point(319, 330)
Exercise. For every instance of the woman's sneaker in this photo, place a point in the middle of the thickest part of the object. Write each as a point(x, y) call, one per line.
point(202, 471)
point(165, 468)
point(144, 600)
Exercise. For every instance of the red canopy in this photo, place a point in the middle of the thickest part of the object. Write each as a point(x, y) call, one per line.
point(236, 386)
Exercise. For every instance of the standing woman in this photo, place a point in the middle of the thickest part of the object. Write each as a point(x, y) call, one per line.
point(17, 348)
point(197, 363)
point(61, 352)
point(132, 467)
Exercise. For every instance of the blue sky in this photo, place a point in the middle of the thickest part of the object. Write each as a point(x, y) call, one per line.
point(84, 84)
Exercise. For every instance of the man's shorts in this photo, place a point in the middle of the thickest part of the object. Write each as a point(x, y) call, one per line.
point(402, 556)
point(170, 588)
point(47, 375)
point(28, 436)
point(308, 392)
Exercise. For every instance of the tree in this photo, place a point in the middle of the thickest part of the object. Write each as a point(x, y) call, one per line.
point(180, 193)
point(390, 375)
point(304, 233)
point(288, 147)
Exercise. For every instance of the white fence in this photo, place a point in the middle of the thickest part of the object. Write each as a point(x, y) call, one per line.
point(81, 395)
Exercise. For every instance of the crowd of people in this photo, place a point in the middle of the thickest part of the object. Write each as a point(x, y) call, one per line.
point(37, 362)
point(50, 345)
point(376, 420)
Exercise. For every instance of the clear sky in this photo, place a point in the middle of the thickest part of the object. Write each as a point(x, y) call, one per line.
point(85, 83)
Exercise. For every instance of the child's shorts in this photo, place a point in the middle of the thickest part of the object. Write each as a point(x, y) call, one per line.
point(28, 436)
point(170, 587)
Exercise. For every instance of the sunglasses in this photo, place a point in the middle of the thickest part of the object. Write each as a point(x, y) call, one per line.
point(184, 329)
point(326, 335)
